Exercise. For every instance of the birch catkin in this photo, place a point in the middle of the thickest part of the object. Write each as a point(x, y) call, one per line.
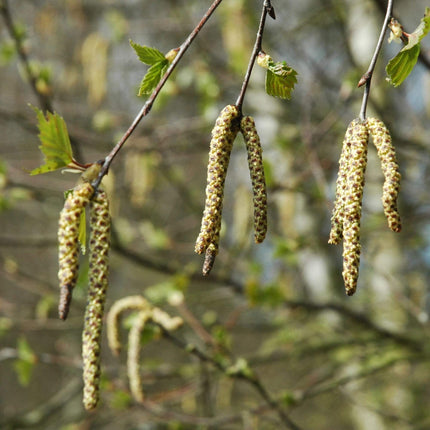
point(353, 193)
point(390, 168)
point(336, 232)
point(223, 135)
point(256, 170)
point(98, 282)
point(68, 246)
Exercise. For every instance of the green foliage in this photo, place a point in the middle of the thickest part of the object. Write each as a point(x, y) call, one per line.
point(280, 80)
point(24, 365)
point(402, 64)
point(158, 62)
point(269, 295)
point(280, 77)
point(55, 142)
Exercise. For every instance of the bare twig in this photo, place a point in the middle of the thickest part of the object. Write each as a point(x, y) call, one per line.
point(367, 77)
point(267, 9)
point(148, 105)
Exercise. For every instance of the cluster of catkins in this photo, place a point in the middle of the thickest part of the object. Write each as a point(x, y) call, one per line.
point(345, 222)
point(145, 312)
point(227, 126)
point(68, 234)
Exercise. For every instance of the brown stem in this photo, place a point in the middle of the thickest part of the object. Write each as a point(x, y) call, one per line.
point(148, 105)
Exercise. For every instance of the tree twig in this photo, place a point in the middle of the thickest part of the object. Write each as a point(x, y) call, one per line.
point(148, 105)
point(267, 9)
point(367, 77)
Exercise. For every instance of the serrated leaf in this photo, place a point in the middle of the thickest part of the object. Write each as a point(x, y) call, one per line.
point(55, 142)
point(153, 77)
point(280, 79)
point(146, 54)
point(399, 67)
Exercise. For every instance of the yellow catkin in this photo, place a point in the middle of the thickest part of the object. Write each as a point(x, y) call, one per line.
point(223, 135)
point(98, 282)
point(68, 246)
point(133, 356)
point(124, 304)
point(336, 232)
point(387, 155)
point(352, 206)
point(256, 170)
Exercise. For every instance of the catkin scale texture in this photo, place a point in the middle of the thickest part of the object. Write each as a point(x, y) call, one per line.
point(68, 246)
point(352, 205)
point(98, 282)
point(387, 155)
point(223, 135)
point(256, 171)
point(336, 232)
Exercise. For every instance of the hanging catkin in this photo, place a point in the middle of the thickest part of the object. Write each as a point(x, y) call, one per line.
point(223, 135)
point(98, 282)
point(336, 232)
point(352, 207)
point(390, 168)
point(256, 170)
point(68, 246)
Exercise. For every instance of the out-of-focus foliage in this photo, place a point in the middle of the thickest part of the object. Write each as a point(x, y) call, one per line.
point(276, 311)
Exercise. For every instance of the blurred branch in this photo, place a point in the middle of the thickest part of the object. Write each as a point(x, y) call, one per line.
point(43, 99)
point(38, 415)
point(249, 377)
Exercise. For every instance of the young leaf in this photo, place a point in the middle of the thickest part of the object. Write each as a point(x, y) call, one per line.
point(146, 54)
point(152, 77)
point(399, 67)
point(55, 142)
point(280, 79)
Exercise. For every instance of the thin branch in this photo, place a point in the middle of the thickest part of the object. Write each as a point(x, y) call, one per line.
point(267, 9)
point(251, 379)
point(367, 77)
point(148, 105)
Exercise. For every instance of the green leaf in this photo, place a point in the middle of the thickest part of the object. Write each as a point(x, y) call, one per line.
point(146, 54)
point(55, 142)
point(153, 77)
point(280, 79)
point(399, 67)
point(26, 360)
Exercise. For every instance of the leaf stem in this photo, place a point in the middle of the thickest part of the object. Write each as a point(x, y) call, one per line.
point(267, 9)
point(148, 105)
point(367, 77)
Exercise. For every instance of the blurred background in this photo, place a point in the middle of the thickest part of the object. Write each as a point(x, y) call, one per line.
point(328, 360)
